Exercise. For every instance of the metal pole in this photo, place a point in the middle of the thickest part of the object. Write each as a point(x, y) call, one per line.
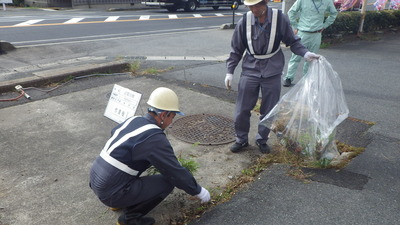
point(287, 5)
point(233, 6)
point(233, 17)
point(363, 12)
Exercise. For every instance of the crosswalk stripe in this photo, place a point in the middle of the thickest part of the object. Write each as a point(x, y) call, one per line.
point(29, 22)
point(74, 20)
point(112, 18)
point(144, 17)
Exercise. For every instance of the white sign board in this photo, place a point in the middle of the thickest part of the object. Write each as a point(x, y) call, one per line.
point(6, 1)
point(122, 104)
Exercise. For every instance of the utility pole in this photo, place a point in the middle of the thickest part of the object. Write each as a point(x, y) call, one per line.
point(286, 5)
point(363, 12)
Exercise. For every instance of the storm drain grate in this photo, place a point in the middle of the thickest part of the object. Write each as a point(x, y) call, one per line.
point(204, 129)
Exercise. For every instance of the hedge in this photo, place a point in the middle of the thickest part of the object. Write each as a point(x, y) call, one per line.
point(349, 22)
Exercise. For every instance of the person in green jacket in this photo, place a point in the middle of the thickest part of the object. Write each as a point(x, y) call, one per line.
point(307, 18)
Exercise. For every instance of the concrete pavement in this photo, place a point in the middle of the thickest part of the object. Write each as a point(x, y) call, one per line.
point(367, 190)
point(48, 143)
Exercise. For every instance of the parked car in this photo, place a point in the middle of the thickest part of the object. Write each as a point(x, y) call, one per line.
point(190, 5)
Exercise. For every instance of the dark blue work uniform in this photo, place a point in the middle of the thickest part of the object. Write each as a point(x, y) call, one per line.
point(259, 74)
point(134, 146)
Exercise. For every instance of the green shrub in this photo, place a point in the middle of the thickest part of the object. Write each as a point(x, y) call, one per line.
point(18, 2)
point(189, 164)
point(349, 22)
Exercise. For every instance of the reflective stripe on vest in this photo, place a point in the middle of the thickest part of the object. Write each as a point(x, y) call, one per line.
point(250, 49)
point(105, 153)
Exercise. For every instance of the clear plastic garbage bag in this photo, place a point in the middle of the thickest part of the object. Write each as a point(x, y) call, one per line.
point(305, 118)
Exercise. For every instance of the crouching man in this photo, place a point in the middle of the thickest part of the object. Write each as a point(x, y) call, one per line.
point(135, 145)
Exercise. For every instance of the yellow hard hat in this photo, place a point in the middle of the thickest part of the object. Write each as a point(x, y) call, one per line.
point(165, 99)
point(251, 2)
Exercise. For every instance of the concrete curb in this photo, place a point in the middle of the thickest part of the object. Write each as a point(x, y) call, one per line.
point(55, 75)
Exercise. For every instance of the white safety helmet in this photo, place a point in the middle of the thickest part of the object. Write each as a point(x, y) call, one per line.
point(251, 2)
point(164, 99)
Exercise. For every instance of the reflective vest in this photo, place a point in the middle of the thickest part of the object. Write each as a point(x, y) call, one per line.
point(274, 41)
point(118, 149)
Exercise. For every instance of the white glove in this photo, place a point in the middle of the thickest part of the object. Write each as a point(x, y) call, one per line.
point(204, 195)
point(310, 56)
point(228, 80)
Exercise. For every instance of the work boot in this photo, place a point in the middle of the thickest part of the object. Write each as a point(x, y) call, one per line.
point(238, 146)
point(287, 82)
point(135, 221)
point(264, 148)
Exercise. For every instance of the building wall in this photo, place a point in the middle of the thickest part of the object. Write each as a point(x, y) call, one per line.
point(104, 3)
point(36, 3)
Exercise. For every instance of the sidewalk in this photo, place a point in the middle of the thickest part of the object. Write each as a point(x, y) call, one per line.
point(367, 190)
point(49, 143)
point(48, 146)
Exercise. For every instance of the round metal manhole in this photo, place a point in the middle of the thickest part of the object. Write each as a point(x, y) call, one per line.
point(204, 129)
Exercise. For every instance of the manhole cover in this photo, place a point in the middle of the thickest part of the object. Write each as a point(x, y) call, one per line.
point(204, 129)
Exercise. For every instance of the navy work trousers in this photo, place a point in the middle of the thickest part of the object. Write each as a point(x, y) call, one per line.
point(249, 90)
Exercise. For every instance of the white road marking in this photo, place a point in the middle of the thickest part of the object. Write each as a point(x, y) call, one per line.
point(95, 38)
point(74, 20)
point(189, 58)
point(29, 22)
point(144, 17)
point(111, 18)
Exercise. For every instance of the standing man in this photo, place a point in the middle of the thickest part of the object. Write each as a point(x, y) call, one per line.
point(259, 33)
point(308, 20)
point(134, 146)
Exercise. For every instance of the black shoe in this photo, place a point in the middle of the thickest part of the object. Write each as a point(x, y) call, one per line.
point(264, 148)
point(237, 146)
point(136, 221)
point(287, 82)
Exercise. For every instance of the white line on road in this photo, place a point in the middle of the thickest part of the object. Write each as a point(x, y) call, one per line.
point(172, 16)
point(219, 14)
point(187, 58)
point(197, 15)
point(60, 41)
point(144, 17)
point(112, 18)
point(74, 20)
point(29, 22)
